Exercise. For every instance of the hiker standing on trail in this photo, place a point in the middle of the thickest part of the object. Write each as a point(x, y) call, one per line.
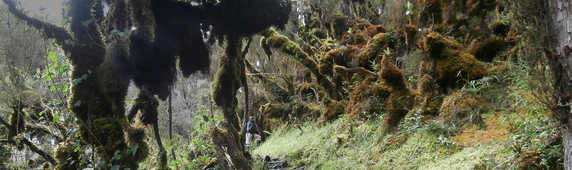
point(251, 136)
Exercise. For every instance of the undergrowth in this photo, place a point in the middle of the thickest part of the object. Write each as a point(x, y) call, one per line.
point(526, 135)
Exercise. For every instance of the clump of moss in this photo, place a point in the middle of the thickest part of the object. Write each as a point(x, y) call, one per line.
point(136, 141)
point(500, 28)
point(367, 98)
point(462, 108)
point(480, 7)
point(438, 46)
point(229, 152)
point(451, 63)
point(398, 105)
point(487, 50)
point(333, 110)
point(287, 111)
point(373, 30)
point(340, 56)
point(310, 92)
point(431, 12)
point(106, 131)
point(66, 156)
point(431, 99)
point(401, 100)
point(271, 110)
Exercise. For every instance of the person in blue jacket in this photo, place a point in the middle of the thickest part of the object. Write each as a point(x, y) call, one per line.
point(250, 125)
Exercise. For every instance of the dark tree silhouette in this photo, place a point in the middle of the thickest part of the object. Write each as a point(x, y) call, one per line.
point(141, 41)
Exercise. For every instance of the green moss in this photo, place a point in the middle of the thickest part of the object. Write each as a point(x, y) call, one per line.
point(452, 64)
point(229, 79)
point(367, 98)
point(281, 42)
point(333, 110)
point(138, 150)
point(438, 46)
point(66, 156)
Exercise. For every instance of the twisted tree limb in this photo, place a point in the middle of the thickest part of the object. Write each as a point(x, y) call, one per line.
point(61, 36)
point(278, 91)
point(282, 43)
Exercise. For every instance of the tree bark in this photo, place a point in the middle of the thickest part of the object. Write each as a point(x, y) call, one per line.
point(560, 55)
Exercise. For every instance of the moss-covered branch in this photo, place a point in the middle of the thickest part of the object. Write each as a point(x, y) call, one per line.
point(61, 36)
point(280, 93)
point(282, 43)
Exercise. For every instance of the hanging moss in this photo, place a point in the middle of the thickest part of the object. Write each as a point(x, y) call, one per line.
point(228, 80)
point(147, 105)
point(247, 17)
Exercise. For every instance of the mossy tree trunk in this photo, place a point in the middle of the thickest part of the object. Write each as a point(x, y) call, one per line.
point(560, 55)
point(97, 91)
point(229, 79)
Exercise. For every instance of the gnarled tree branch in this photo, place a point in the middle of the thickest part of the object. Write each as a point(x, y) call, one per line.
point(61, 36)
point(282, 43)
